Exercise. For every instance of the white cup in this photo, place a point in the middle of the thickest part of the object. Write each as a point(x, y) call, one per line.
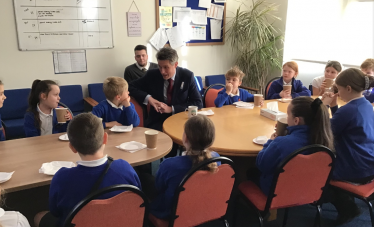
point(192, 111)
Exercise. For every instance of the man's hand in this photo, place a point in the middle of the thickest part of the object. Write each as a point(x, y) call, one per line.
point(165, 108)
point(111, 124)
point(156, 104)
point(229, 88)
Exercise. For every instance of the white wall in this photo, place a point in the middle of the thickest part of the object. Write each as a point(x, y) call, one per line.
point(19, 68)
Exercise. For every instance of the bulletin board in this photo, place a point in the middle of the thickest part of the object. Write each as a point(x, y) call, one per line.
point(194, 4)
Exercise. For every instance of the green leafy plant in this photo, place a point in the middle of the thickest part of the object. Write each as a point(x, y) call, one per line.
point(256, 41)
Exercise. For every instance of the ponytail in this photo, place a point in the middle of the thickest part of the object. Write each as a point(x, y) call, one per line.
point(317, 117)
point(38, 87)
point(356, 79)
point(200, 133)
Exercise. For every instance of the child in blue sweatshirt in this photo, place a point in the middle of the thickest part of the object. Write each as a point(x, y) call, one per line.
point(308, 123)
point(232, 93)
point(199, 134)
point(41, 118)
point(117, 108)
point(353, 129)
point(367, 67)
point(2, 98)
point(70, 185)
point(289, 74)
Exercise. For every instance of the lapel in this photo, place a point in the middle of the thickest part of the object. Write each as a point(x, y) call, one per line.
point(177, 83)
point(159, 83)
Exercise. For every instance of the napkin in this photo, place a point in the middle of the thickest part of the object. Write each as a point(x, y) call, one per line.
point(5, 176)
point(245, 105)
point(131, 146)
point(262, 139)
point(273, 106)
point(121, 128)
point(64, 137)
point(206, 112)
point(50, 168)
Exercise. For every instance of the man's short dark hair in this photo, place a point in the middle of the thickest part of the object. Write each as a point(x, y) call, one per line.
point(167, 53)
point(86, 133)
point(140, 47)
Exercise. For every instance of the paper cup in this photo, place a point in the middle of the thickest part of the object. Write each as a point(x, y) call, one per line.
point(257, 99)
point(329, 82)
point(61, 112)
point(192, 111)
point(287, 87)
point(282, 126)
point(151, 138)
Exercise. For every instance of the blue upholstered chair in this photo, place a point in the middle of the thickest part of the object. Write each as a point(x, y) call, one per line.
point(72, 96)
point(215, 79)
point(199, 84)
point(96, 92)
point(13, 112)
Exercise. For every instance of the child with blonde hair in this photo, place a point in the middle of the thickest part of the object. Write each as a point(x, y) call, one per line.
point(117, 108)
point(198, 136)
point(289, 74)
point(232, 93)
point(367, 67)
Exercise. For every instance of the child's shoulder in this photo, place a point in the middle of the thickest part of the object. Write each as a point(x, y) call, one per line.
point(176, 162)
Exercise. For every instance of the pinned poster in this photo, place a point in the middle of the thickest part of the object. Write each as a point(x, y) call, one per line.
point(175, 37)
point(182, 3)
point(159, 39)
point(198, 17)
point(205, 3)
point(215, 29)
point(166, 16)
point(182, 14)
point(219, 1)
point(134, 24)
point(198, 32)
point(215, 11)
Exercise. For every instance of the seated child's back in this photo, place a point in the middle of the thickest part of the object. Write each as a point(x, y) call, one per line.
point(70, 186)
point(117, 108)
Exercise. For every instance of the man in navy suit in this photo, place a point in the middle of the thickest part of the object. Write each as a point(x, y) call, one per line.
point(169, 89)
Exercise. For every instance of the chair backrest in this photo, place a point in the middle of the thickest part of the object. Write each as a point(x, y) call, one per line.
point(301, 178)
point(72, 95)
point(211, 94)
point(203, 196)
point(268, 86)
point(96, 92)
point(199, 84)
point(127, 209)
point(139, 110)
point(16, 104)
point(3, 128)
point(215, 79)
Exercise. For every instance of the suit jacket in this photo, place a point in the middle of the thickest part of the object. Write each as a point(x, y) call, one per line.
point(185, 93)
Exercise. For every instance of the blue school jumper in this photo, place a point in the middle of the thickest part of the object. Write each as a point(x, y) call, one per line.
point(353, 129)
point(275, 151)
point(127, 116)
point(2, 137)
point(168, 178)
point(369, 95)
point(70, 185)
point(297, 89)
point(224, 99)
point(31, 130)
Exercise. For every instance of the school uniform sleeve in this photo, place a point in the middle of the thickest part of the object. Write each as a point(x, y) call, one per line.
point(274, 91)
point(132, 177)
point(370, 97)
point(300, 90)
point(246, 96)
point(29, 125)
point(53, 196)
point(131, 116)
point(221, 98)
point(161, 177)
point(269, 157)
point(340, 120)
point(99, 111)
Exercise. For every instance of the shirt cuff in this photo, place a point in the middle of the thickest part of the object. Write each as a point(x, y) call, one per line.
point(145, 102)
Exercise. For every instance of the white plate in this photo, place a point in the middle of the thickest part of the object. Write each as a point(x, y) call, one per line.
point(64, 137)
point(121, 128)
point(206, 112)
point(2, 212)
point(4, 177)
point(132, 146)
point(51, 168)
point(256, 142)
point(285, 100)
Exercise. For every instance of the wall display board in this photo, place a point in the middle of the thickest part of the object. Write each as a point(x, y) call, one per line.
point(63, 24)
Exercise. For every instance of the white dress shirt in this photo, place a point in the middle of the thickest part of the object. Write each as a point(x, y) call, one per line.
point(141, 67)
point(93, 163)
point(114, 106)
point(46, 120)
point(284, 83)
point(237, 94)
point(12, 219)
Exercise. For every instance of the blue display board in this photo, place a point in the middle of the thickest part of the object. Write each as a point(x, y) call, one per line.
point(194, 4)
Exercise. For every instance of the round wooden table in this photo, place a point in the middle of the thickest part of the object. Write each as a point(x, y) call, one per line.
point(26, 156)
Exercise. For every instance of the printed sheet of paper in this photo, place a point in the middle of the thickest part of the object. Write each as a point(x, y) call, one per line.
point(205, 3)
point(182, 3)
point(166, 17)
point(215, 11)
point(198, 17)
point(159, 39)
point(182, 14)
point(198, 32)
point(215, 29)
point(219, 1)
point(175, 38)
point(69, 61)
point(134, 24)
point(184, 30)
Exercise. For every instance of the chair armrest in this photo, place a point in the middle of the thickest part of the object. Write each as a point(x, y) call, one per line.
point(250, 89)
point(91, 101)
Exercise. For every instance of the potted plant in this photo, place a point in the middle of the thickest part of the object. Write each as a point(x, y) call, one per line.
point(254, 38)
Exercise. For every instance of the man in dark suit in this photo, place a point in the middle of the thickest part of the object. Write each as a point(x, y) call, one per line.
point(138, 69)
point(169, 89)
